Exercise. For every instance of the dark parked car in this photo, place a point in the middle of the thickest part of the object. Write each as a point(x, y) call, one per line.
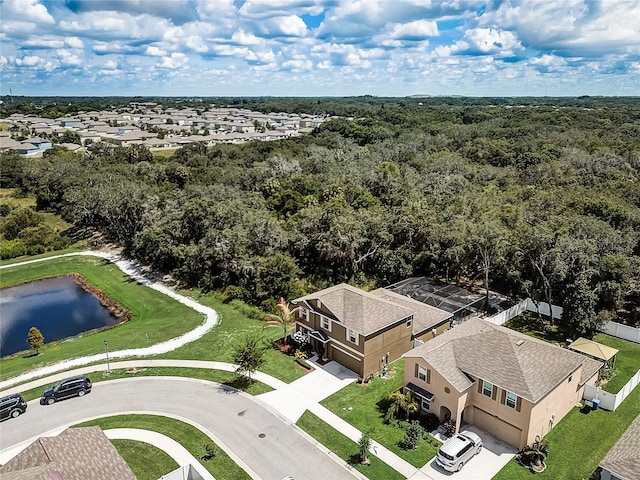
point(12, 406)
point(69, 387)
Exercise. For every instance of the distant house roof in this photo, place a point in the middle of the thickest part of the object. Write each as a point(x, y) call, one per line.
point(623, 460)
point(75, 454)
point(593, 349)
point(526, 366)
point(368, 312)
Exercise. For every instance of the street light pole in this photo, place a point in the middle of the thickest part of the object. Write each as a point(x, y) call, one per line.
point(106, 349)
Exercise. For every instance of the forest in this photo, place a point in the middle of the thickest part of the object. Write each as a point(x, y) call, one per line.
point(532, 197)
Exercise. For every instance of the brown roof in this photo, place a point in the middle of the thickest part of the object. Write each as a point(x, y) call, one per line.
point(425, 317)
point(526, 366)
point(623, 459)
point(75, 454)
point(356, 309)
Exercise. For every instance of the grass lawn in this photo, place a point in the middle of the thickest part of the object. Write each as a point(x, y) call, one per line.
point(366, 414)
point(627, 361)
point(218, 376)
point(219, 343)
point(146, 461)
point(579, 442)
point(153, 313)
point(7, 197)
point(221, 467)
point(346, 449)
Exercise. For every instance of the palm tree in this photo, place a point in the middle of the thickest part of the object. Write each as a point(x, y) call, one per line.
point(284, 317)
point(404, 401)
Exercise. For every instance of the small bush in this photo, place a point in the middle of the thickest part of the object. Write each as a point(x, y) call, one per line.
point(412, 436)
point(429, 421)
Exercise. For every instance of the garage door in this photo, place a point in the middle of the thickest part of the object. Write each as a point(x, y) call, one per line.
point(346, 360)
point(496, 427)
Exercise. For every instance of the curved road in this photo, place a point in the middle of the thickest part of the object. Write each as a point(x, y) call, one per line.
point(265, 441)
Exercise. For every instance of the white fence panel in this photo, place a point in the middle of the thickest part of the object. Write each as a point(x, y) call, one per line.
point(611, 401)
point(508, 314)
point(622, 331)
point(543, 307)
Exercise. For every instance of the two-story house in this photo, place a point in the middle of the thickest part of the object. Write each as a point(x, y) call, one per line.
point(511, 385)
point(364, 331)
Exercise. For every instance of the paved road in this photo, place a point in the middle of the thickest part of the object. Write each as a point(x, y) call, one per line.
point(265, 441)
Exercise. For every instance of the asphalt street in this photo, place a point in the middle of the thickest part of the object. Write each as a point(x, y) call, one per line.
point(262, 439)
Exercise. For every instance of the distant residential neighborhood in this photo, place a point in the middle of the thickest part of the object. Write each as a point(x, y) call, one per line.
point(152, 126)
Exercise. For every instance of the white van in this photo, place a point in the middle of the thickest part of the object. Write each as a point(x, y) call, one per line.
point(458, 450)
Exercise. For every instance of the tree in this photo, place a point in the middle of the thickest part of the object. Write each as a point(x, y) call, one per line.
point(249, 356)
point(489, 241)
point(363, 447)
point(285, 317)
point(35, 339)
point(405, 402)
point(412, 436)
point(579, 307)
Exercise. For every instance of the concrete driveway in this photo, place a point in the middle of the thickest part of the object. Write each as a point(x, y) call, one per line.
point(265, 443)
point(494, 455)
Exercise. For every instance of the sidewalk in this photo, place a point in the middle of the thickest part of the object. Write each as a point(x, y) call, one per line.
point(172, 448)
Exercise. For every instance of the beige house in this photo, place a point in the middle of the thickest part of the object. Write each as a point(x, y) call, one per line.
point(364, 331)
point(511, 385)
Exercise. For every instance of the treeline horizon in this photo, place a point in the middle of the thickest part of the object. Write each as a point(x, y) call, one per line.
point(540, 201)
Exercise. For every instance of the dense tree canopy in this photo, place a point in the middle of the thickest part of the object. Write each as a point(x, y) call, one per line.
point(536, 198)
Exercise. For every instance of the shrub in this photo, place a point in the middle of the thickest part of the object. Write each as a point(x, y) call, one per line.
point(412, 436)
point(12, 248)
point(429, 421)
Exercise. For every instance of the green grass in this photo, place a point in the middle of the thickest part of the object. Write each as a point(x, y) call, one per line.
point(627, 361)
point(579, 442)
point(220, 342)
point(345, 448)
point(221, 467)
point(146, 461)
point(8, 197)
point(366, 414)
point(154, 313)
point(218, 376)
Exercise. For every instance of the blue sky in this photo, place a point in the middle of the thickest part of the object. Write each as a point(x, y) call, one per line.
point(320, 47)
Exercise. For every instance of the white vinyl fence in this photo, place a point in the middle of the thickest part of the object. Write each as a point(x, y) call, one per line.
point(526, 305)
point(611, 401)
point(622, 331)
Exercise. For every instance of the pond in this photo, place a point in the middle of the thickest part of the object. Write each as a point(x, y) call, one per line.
point(58, 307)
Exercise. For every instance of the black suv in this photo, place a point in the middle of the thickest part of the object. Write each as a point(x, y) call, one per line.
point(69, 387)
point(12, 406)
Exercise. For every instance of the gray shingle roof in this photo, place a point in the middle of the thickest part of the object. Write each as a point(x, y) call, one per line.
point(76, 454)
point(624, 457)
point(528, 367)
point(358, 310)
point(425, 317)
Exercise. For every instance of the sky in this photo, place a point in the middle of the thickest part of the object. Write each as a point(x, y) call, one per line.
point(320, 47)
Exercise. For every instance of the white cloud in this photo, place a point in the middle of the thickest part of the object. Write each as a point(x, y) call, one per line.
point(417, 30)
point(175, 60)
point(68, 58)
point(36, 62)
point(26, 11)
point(487, 41)
point(154, 51)
point(243, 38)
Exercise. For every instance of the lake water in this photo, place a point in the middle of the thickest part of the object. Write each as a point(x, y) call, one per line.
point(58, 307)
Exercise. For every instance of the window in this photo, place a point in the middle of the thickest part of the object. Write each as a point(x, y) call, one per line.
point(570, 377)
point(422, 373)
point(326, 323)
point(304, 314)
point(352, 336)
point(487, 388)
point(425, 404)
point(511, 400)
point(409, 320)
